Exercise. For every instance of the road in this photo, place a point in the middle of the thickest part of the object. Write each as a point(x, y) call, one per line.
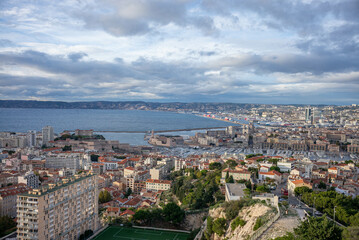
point(294, 201)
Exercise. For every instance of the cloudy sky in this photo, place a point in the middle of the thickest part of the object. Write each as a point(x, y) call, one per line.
point(253, 51)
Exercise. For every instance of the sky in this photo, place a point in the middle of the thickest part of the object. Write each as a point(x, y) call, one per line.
point(241, 51)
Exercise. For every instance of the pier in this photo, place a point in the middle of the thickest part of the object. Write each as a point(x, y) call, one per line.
point(157, 131)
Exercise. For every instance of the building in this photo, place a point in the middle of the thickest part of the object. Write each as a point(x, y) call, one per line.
point(156, 185)
point(270, 198)
point(157, 172)
point(276, 176)
point(292, 184)
point(8, 196)
point(87, 133)
point(31, 138)
point(236, 174)
point(30, 179)
point(71, 161)
point(47, 134)
point(61, 211)
point(284, 166)
point(308, 114)
point(234, 191)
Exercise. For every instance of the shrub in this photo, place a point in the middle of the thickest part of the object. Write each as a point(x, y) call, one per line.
point(237, 222)
point(258, 224)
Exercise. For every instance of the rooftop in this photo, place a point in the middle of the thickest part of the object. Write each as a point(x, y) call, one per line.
point(54, 187)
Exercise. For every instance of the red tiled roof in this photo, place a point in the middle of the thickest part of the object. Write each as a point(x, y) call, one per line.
point(127, 212)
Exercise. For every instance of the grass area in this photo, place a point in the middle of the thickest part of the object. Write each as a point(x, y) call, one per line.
point(123, 233)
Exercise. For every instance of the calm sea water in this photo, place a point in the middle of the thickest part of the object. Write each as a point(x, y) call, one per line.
point(24, 119)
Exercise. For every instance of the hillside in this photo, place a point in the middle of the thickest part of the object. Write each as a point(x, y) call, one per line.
point(237, 220)
point(128, 105)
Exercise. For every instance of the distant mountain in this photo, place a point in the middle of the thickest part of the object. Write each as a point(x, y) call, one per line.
point(139, 105)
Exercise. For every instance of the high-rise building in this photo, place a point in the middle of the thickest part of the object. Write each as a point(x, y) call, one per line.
point(47, 134)
point(308, 114)
point(30, 179)
point(64, 210)
point(31, 138)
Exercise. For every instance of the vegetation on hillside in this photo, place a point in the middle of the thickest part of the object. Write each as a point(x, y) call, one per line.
point(346, 208)
point(198, 189)
point(320, 228)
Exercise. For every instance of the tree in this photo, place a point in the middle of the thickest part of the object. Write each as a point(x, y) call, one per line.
point(67, 148)
point(274, 168)
point(6, 223)
point(128, 192)
point(322, 185)
point(219, 226)
point(319, 228)
point(104, 197)
point(262, 188)
point(143, 216)
point(173, 213)
point(215, 165)
point(301, 190)
point(351, 233)
point(231, 163)
point(230, 179)
point(94, 158)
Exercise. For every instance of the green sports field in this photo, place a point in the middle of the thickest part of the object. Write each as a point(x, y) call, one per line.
point(123, 233)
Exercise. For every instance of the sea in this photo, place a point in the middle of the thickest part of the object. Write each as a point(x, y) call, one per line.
point(24, 119)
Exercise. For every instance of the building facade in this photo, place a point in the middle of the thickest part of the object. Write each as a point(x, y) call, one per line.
point(156, 185)
point(47, 134)
point(61, 211)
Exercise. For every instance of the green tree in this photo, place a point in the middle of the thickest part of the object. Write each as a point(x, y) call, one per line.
point(231, 163)
point(351, 233)
point(215, 165)
point(143, 216)
point(104, 196)
point(173, 213)
point(94, 158)
point(67, 148)
point(318, 228)
point(274, 168)
point(230, 179)
point(262, 188)
point(209, 231)
point(301, 190)
point(219, 226)
point(322, 185)
point(128, 192)
point(6, 223)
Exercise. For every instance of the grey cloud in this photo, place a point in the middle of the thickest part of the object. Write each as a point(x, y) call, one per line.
point(135, 17)
point(76, 56)
point(6, 43)
point(207, 53)
point(148, 79)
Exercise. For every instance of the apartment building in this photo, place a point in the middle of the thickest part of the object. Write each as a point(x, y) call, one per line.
point(8, 196)
point(153, 184)
point(30, 179)
point(47, 134)
point(236, 174)
point(292, 184)
point(64, 210)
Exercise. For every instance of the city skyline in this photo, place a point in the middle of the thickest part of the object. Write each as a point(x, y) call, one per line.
point(277, 52)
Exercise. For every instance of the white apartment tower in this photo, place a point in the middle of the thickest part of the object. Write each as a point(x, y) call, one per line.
point(31, 138)
point(47, 134)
